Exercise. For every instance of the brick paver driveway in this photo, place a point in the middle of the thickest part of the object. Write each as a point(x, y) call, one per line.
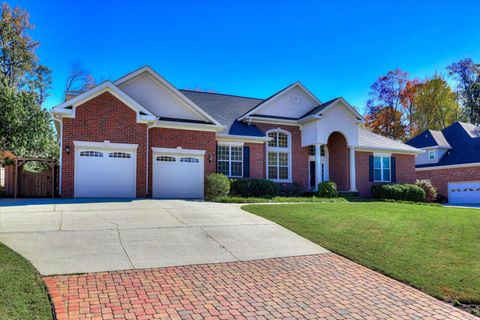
point(323, 286)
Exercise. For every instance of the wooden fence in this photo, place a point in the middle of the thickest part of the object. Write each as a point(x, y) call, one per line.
point(30, 184)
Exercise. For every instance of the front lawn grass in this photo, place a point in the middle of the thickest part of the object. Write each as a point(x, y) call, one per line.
point(434, 249)
point(232, 199)
point(22, 294)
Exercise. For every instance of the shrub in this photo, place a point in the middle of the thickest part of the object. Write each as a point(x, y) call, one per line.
point(291, 190)
point(253, 188)
point(430, 190)
point(216, 185)
point(327, 189)
point(404, 192)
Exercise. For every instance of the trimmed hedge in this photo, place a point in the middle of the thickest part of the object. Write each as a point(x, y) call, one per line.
point(327, 189)
point(404, 192)
point(253, 188)
point(216, 185)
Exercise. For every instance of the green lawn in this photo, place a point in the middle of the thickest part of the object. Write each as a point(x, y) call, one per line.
point(22, 294)
point(434, 249)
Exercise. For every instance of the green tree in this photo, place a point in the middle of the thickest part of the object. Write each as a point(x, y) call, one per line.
point(19, 64)
point(26, 129)
point(436, 106)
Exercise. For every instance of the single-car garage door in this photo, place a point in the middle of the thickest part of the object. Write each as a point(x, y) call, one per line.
point(105, 173)
point(178, 175)
point(464, 192)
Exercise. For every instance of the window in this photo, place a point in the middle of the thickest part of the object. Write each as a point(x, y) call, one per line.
point(119, 155)
point(279, 156)
point(166, 159)
point(91, 154)
point(381, 169)
point(191, 160)
point(311, 150)
point(230, 160)
point(431, 155)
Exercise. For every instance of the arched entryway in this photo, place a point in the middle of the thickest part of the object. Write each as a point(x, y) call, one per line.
point(338, 159)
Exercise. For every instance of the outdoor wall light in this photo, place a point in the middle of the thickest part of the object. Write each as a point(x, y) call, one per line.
point(67, 149)
point(210, 157)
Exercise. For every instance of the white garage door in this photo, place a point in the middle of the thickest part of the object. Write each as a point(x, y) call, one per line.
point(177, 176)
point(105, 173)
point(464, 192)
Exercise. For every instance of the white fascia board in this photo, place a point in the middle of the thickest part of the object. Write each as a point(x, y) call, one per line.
point(163, 82)
point(250, 139)
point(105, 145)
point(436, 147)
point(394, 150)
point(277, 95)
point(230, 143)
point(273, 121)
point(179, 151)
point(188, 126)
point(452, 166)
point(106, 86)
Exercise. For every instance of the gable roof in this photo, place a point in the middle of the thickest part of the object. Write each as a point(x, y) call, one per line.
point(429, 138)
point(189, 103)
point(369, 140)
point(275, 95)
point(464, 141)
point(68, 107)
point(325, 106)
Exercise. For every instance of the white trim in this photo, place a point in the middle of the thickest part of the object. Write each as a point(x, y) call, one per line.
point(178, 151)
point(272, 121)
point(381, 156)
point(105, 145)
point(436, 147)
point(452, 166)
point(251, 139)
point(394, 150)
point(279, 93)
point(231, 143)
point(351, 109)
point(280, 150)
point(188, 126)
point(106, 86)
point(230, 161)
point(163, 82)
point(353, 168)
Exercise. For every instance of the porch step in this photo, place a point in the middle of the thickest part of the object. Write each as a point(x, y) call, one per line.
point(349, 196)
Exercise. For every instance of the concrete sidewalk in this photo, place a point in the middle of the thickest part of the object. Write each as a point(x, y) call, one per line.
point(76, 236)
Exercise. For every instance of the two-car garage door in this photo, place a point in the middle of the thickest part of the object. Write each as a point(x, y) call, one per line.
point(464, 192)
point(111, 172)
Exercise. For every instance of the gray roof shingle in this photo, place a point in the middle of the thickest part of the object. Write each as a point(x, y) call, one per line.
point(368, 139)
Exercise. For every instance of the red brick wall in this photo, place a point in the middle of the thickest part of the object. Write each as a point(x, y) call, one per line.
point(441, 177)
point(102, 118)
point(187, 139)
point(338, 161)
point(257, 160)
point(299, 154)
point(405, 170)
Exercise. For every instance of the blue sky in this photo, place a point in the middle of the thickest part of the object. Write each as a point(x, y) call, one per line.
point(255, 48)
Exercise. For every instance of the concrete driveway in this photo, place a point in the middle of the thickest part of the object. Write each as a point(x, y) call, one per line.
point(77, 236)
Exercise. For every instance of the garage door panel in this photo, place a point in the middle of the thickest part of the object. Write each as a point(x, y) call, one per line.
point(464, 192)
point(178, 176)
point(105, 173)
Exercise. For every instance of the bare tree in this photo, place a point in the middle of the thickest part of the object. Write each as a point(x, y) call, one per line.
point(79, 79)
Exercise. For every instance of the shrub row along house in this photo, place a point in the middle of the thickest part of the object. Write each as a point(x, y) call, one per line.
point(140, 136)
point(451, 161)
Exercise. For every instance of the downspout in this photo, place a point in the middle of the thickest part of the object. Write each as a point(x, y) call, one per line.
point(148, 151)
point(61, 151)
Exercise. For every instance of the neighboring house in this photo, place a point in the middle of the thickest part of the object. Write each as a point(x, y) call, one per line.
point(451, 161)
point(140, 136)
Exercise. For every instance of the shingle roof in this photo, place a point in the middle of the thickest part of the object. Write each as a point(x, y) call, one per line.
point(368, 139)
point(319, 108)
point(429, 138)
point(226, 109)
point(464, 140)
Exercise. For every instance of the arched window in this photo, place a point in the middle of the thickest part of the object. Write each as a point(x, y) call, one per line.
point(279, 156)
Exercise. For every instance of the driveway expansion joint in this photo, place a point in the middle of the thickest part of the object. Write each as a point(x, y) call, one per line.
point(220, 244)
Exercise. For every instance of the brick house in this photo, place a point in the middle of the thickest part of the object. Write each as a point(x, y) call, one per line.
point(139, 136)
point(451, 161)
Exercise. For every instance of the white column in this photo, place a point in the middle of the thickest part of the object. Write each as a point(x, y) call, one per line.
point(353, 182)
point(318, 166)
